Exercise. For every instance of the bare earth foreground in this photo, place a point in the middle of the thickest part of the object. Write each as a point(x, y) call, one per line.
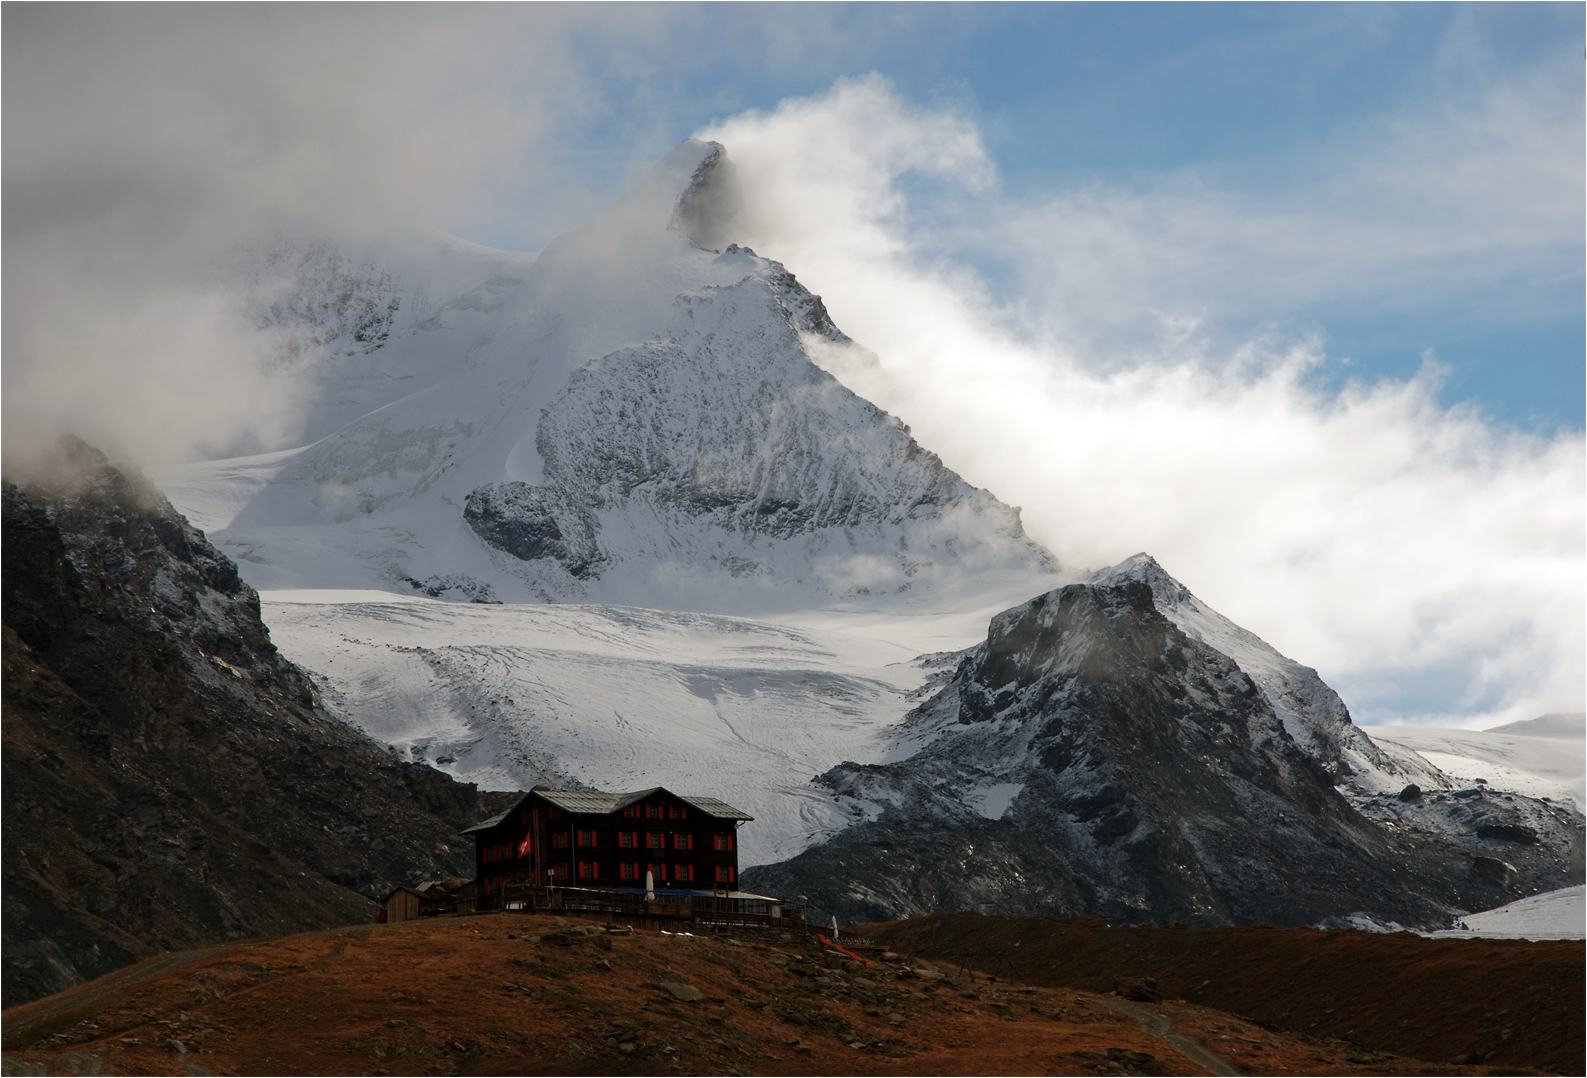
point(515, 994)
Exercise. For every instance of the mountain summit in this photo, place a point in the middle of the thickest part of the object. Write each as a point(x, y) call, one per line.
point(632, 416)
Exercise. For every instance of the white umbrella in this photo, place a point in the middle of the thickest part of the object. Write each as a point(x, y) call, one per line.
point(834, 928)
point(650, 886)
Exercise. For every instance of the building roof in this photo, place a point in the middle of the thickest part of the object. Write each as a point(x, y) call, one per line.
point(486, 825)
point(597, 803)
point(720, 809)
point(416, 893)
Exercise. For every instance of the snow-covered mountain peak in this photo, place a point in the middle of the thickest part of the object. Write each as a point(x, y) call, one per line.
point(633, 416)
point(1310, 711)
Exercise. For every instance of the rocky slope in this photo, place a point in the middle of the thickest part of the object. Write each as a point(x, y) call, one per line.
point(169, 778)
point(1093, 757)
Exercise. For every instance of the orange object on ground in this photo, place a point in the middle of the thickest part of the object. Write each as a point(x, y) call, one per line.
point(842, 950)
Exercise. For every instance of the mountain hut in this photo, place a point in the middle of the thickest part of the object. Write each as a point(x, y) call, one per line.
point(586, 838)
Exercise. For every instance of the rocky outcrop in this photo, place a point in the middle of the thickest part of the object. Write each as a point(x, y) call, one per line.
point(1092, 757)
point(722, 445)
point(170, 780)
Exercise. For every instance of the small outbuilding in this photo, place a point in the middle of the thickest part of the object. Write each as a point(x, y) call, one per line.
point(427, 899)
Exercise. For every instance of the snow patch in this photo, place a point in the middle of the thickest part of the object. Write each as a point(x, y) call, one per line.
point(992, 801)
point(1554, 915)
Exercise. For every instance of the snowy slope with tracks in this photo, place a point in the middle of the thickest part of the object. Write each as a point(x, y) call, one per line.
point(617, 698)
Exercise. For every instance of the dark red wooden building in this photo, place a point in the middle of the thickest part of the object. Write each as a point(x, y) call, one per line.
point(583, 838)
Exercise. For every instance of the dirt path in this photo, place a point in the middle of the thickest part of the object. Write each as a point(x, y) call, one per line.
point(1155, 1023)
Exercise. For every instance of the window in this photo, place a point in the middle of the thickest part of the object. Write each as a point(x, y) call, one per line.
point(587, 838)
point(652, 812)
point(629, 872)
point(683, 873)
point(654, 840)
point(628, 840)
point(559, 840)
point(721, 842)
point(556, 813)
point(630, 811)
point(561, 872)
point(677, 812)
point(499, 852)
point(589, 870)
point(658, 871)
point(724, 874)
point(682, 842)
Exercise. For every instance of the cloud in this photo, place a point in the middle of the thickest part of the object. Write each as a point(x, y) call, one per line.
point(1430, 563)
point(1422, 208)
point(143, 142)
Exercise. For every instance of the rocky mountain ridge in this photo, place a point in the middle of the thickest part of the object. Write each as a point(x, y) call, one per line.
point(1093, 757)
point(170, 779)
point(633, 416)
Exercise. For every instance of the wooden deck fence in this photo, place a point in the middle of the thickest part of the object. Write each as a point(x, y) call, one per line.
point(667, 910)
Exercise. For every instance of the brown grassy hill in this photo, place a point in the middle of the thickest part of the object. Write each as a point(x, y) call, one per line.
point(1504, 1003)
point(511, 993)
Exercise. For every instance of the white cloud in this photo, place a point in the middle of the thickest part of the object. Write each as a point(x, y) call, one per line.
point(1428, 562)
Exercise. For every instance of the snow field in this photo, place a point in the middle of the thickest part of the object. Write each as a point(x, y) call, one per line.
point(615, 698)
point(1554, 915)
point(1517, 762)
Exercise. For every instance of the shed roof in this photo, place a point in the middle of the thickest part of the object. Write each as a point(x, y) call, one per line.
point(415, 892)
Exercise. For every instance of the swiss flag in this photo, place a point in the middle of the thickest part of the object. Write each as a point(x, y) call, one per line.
point(523, 847)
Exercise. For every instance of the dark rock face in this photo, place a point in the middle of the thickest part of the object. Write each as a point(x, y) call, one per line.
point(1154, 783)
point(171, 780)
point(533, 522)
